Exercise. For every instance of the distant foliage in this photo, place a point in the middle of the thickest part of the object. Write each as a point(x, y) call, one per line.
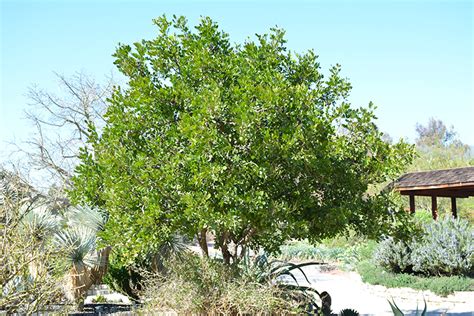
point(347, 254)
point(446, 247)
point(439, 147)
point(436, 133)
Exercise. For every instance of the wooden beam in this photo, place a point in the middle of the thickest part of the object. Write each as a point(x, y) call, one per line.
point(412, 204)
point(439, 193)
point(454, 208)
point(455, 186)
point(434, 207)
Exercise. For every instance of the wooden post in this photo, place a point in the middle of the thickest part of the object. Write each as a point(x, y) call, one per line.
point(454, 208)
point(412, 204)
point(434, 207)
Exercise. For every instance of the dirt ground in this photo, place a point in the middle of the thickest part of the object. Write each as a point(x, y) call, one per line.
point(348, 291)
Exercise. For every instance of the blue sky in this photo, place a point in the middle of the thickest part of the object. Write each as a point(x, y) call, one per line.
point(413, 59)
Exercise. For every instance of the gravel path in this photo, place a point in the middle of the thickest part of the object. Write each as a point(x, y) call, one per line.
point(348, 291)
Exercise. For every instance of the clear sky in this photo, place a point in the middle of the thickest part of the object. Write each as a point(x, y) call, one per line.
point(413, 59)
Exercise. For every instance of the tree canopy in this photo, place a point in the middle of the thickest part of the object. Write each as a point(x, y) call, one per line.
point(436, 133)
point(249, 142)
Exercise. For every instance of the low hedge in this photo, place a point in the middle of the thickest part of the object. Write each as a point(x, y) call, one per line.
point(443, 285)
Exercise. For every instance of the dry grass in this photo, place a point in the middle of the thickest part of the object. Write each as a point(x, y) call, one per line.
point(204, 287)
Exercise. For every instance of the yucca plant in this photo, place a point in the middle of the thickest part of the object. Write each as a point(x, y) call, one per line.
point(86, 265)
point(172, 247)
point(28, 280)
point(67, 237)
point(40, 222)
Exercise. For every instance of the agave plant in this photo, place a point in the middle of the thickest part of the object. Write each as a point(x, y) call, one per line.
point(398, 312)
point(275, 272)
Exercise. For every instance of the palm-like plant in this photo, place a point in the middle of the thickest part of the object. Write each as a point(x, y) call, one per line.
point(52, 229)
point(40, 222)
point(86, 265)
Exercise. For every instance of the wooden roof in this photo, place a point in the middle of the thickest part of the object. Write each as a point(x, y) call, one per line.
point(457, 182)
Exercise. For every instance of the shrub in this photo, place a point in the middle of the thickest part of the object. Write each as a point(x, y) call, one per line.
point(196, 285)
point(126, 277)
point(394, 255)
point(446, 247)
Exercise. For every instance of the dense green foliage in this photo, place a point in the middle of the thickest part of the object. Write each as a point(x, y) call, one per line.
point(249, 142)
point(446, 247)
point(441, 285)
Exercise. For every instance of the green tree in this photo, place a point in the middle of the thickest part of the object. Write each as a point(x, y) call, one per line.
point(247, 141)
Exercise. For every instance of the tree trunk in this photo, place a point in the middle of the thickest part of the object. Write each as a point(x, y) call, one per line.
point(202, 239)
point(226, 255)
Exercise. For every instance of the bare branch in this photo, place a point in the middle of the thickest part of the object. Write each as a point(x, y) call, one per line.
point(62, 124)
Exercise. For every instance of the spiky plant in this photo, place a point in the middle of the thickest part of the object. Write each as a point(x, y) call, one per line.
point(85, 216)
point(173, 247)
point(275, 272)
point(86, 265)
point(40, 222)
point(398, 312)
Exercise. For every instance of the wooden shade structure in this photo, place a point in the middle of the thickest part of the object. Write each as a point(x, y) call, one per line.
point(450, 183)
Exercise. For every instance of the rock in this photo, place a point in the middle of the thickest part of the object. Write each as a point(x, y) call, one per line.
point(111, 298)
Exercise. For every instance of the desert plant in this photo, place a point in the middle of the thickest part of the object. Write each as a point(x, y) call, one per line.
point(398, 312)
point(86, 265)
point(126, 277)
point(278, 273)
point(28, 276)
point(196, 285)
point(254, 286)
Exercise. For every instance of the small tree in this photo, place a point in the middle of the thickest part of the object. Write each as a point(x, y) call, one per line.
point(248, 141)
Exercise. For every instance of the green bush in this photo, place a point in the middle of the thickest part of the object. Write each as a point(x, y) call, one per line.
point(443, 285)
point(446, 247)
point(122, 278)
